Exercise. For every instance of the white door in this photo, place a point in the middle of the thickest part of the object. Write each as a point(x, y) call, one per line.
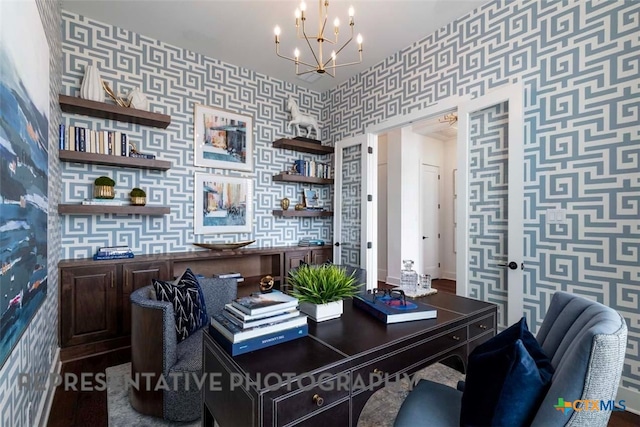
point(490, 185)
point(430, 219)
point(354, 215)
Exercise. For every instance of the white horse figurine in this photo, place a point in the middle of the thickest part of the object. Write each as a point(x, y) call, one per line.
point(298, 119)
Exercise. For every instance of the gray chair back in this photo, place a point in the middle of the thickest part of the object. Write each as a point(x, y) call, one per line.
point(586, 342)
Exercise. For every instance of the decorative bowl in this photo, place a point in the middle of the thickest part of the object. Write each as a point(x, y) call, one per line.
point(103, 192)
point(224, 246)
point(138, 200)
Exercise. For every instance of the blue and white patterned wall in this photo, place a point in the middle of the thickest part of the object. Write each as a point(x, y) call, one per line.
point(35, 350)
point(580, 62)
point(174, 79)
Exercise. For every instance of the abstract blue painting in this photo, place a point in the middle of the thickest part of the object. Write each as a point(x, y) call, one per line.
point(24, 124)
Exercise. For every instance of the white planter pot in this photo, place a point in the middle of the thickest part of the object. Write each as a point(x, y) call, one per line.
point(91, 87)
point(322, 312)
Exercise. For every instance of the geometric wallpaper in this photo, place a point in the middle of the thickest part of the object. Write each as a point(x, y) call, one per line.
point(174, 80)
point(579, 62)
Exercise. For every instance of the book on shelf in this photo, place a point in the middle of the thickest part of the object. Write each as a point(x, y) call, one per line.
point(235, 333)
point(392, 310)
point(248, 317)
point(257, 303)
point(99, 257)
point(264, 341)
point(142, 156)
point(231, 316)
point(227, 275)
point(103, 202)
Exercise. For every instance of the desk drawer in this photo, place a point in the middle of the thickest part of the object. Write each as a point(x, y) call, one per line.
point(365, 376)
point(311, 400)
point(481, 326)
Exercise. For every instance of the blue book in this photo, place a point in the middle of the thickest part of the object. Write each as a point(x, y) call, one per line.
point(393, 310)
point(235, 333)
point(257, 343)
point(61, 137)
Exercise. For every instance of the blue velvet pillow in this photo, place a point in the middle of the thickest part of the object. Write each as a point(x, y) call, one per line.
point(188, 303)
point(507, 378)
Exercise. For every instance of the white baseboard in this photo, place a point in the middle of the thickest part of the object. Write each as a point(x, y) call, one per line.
point(631, 399)
point(382, 275)
point(449, 275)
point(393, 280)
point(42, 417)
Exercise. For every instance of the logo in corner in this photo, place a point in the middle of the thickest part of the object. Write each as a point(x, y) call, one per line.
point(563, 406)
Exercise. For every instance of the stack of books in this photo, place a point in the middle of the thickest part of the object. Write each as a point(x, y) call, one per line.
point(236, 276)
point(258, 321)
point(113, 252)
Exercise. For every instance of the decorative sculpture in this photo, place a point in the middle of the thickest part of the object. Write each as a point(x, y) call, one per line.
point(91, 87)
point(298, 119)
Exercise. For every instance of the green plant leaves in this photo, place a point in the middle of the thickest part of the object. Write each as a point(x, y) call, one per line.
point(320, 284)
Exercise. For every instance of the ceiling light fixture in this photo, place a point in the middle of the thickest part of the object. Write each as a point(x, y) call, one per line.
point(322, 65)
point(451, 118)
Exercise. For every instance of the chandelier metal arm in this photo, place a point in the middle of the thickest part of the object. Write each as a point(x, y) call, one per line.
point(291, 59)
point(310, 47)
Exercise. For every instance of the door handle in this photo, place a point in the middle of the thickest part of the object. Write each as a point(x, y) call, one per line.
point(512, 265)
point(336, 244)
point(424, 237)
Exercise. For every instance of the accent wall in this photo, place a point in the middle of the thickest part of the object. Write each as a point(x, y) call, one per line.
point(579, 61)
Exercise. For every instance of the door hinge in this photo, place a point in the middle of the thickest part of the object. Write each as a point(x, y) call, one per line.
point(438, 205)
point(369, 245)
point(370, 197)
point(438, 176)
point(438, 265)
point(370, 150)
point(438, 235)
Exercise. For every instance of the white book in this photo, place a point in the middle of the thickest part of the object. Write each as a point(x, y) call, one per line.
point(259, 322)
point(247, 317)
point(227, 275)
point(104, 202)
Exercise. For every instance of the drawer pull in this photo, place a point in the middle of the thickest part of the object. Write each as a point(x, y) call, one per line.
point(483, 327)
point(455, 337)
point(378, 371)
point(318, 400)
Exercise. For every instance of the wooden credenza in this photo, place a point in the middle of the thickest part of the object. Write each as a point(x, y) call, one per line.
point(95, 311)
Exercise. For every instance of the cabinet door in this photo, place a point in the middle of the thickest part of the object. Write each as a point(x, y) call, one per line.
point(136, 276)
point(294, 259)
point(88, 304)
point(320, 256)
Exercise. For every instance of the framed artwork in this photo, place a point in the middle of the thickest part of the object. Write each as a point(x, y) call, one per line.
point(223, 204)
point(312, 199)
point(222, 139)
point(24, 136)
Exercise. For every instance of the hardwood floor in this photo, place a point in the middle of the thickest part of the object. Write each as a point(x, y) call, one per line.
point(81, 409)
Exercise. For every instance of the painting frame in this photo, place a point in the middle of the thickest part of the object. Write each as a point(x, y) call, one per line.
point(222, 204)
point(222, 139)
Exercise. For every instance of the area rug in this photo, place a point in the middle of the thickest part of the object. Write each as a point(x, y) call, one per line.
point(379, 411)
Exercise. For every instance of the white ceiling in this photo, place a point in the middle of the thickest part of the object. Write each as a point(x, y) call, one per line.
point(240, 32)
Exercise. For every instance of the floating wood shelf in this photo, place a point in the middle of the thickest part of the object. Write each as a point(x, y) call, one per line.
point(75, 105)
point(303, 146)
point(309, 213)
point(105, 209)
point(283, 177)
point(109, 160)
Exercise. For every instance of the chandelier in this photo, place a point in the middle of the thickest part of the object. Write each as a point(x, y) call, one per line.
point(322, 64)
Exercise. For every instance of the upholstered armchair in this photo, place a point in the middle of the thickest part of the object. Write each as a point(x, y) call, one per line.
point(154, 350)
point(585, 342)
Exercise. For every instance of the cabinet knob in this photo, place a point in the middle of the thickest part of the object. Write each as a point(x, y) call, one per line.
point(318, 400)
point(481, 326)
point(455, 338)
point(378, 371)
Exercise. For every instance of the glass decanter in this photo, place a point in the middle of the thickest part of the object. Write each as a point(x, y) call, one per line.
point(408, 277)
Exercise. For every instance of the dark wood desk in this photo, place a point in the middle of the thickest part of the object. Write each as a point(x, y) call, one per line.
point(340, 357)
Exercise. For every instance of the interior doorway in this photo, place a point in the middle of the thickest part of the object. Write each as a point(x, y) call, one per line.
point(416, 164)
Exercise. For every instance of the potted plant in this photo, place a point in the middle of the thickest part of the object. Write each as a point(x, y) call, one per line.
point(103, 188)
point(138, 197)
point(320, 289)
